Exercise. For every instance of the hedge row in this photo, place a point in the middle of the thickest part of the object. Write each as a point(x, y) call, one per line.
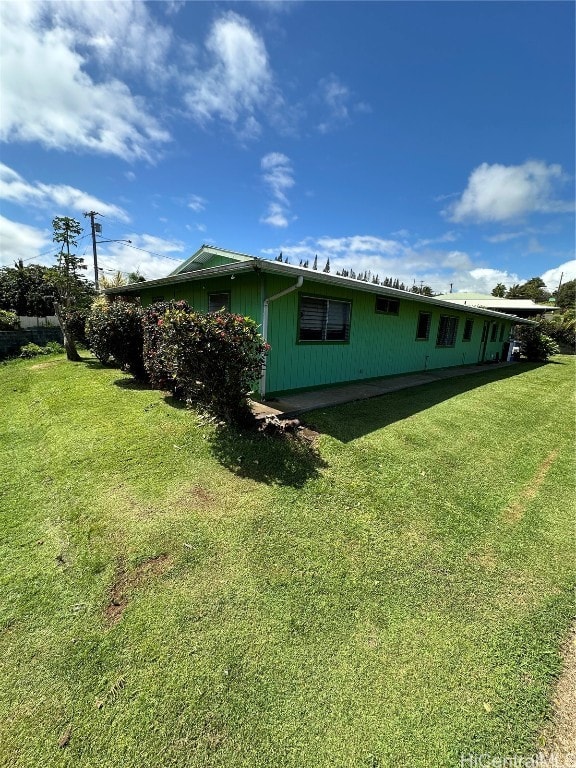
point(211, 359)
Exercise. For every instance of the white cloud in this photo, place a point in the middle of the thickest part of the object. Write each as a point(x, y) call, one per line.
point(566, 271)
point(197, 203)
point(17, 190)
point(238, 82)
point(150, 255)
point(276, 216)
point(278, 175)
point(20, 241)
point(505, 193)
point(336, 98)
point(48, 96)
point(448, 237)
point(503, 237)
point(437, 268)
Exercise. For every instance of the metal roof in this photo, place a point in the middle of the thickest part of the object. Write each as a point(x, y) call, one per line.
point(244, 263)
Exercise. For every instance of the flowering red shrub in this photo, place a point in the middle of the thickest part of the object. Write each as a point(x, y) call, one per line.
point(212, 358)
point(154, 361)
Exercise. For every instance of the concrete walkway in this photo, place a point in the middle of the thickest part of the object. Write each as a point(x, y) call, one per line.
point(289, 406)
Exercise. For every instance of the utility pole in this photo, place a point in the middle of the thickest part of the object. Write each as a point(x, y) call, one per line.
point(91, 214)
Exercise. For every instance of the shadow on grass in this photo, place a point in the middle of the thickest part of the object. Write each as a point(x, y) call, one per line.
point(286, 460)
point(361, 417)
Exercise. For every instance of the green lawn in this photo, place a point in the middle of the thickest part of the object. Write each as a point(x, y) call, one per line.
point(172, 596)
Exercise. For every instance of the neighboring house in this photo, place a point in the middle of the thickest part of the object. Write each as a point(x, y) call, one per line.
point(518, 307)
point(325, 329)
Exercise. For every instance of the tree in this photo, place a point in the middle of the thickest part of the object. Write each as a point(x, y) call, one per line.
point(499, 290)
point(65, 279)
point(566, 295)
point(25, 290)
point(532, 289)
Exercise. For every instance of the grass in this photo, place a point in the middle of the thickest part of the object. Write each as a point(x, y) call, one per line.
point(176, 596)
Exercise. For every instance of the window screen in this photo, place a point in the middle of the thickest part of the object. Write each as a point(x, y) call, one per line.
point(217, 301)
point(324, 319)
point(447, 331)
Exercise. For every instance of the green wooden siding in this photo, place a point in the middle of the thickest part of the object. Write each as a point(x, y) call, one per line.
point(244, 289)
point(379, 345)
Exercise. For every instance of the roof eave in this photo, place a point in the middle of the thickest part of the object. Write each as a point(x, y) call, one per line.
point(289, 270)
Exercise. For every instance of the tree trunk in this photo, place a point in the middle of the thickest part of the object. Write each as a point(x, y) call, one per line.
point(69, 344)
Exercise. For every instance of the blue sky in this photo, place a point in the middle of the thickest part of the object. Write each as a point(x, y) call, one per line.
point(427, 141)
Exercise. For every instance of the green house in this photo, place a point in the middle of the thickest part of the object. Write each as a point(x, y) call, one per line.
point(325, 329)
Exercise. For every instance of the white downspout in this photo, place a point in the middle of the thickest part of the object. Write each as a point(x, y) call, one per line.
point(297, 284)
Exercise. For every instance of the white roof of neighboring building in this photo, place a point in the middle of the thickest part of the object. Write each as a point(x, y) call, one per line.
point(495, 302)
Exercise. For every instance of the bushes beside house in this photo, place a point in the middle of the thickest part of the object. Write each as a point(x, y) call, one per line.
point(213, 359)
point(209, 359)
point(535, 345)
point(114, 331)
point(155, 363)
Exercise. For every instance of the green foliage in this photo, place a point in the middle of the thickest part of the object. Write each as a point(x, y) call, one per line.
point(566, 296)
point(8, 320)
point(213, 359)
point(34, 350)
point(27, 290)
point(561, 327)
point(362, 614)
point(534, 289)
point(115, 331)
point(499, 290)
point(75, 320)
point(535, 345)
point(153, 348)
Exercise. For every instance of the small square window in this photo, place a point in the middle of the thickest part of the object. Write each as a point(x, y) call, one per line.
point(468, 326)
point(423, 328)
point(218, 301)
point(387, 306)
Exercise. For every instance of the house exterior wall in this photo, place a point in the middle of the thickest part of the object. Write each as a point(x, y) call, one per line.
point(245, 293)
point(379, 344)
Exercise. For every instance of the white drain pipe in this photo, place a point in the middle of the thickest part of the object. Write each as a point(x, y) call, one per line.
point(297, 284)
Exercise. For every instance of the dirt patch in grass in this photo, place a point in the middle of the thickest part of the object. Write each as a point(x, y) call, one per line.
point(41, 366)
point(514, 512)
point(125, 581)
point(201, 495)
point(559, 736)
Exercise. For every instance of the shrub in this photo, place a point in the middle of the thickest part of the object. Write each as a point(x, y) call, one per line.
point(561, 327)
point(75, 320)
point(54, 348)
point(31, 350)
point(9, 321)
point(535, 345)
point(213, 359)
point(34, 350)
point(153, 349)
point(115, 331)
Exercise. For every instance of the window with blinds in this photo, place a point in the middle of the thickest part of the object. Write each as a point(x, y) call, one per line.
point(323, 319)
point(447, 331)
point(217, 301)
